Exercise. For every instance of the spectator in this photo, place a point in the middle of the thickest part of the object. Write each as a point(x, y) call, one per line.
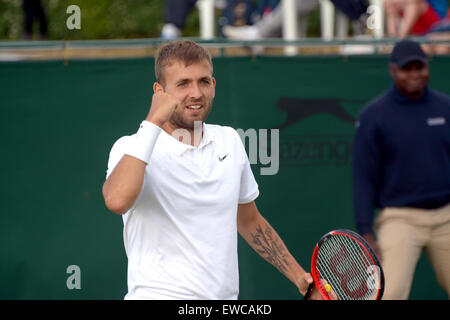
point(175, 14)
point(238, 12)
point(401, 165)
point(32, 10)
point(356, 11)
point(271, 25)
point(413, 17)
point(440, 32)
point(177, 11)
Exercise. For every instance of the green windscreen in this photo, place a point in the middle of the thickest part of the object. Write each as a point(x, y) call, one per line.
point(59, 121)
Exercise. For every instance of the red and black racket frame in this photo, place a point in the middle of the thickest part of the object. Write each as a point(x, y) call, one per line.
point(364, 245)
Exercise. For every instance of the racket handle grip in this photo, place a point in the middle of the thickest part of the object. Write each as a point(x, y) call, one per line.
point(308, 291)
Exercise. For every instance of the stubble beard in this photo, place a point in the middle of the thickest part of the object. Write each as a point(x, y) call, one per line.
point(180, 122)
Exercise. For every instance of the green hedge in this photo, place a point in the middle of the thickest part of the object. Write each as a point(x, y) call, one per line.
point(100, 19)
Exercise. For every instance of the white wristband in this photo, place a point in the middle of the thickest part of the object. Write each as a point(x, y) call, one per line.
point(145, 139)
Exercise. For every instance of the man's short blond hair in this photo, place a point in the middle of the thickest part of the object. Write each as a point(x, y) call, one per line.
point(186, 51)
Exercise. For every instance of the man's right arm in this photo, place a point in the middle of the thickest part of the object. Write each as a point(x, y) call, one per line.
point(124, 183)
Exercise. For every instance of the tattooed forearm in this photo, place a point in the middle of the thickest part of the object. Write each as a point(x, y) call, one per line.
point(269, 245)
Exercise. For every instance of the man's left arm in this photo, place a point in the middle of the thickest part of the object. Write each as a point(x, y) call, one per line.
point(260, 235)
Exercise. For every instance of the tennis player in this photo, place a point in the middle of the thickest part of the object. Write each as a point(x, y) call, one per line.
point(185, 189)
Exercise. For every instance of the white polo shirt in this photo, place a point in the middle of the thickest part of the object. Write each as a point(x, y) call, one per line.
point(181, 235)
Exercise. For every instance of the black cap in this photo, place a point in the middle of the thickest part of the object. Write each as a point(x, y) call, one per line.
point(406, 51)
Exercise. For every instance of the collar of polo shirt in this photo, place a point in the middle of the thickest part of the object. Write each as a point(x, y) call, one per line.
point(179, 148)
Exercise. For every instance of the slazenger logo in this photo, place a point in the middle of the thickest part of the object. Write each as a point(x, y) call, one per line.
point(314, 149)
point(299, 109)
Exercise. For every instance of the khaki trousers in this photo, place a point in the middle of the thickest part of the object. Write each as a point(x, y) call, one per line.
point(402, 235)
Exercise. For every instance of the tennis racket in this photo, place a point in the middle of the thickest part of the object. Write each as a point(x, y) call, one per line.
point(344, 267)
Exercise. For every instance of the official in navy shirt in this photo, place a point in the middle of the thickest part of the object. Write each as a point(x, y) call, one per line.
point(401, 166)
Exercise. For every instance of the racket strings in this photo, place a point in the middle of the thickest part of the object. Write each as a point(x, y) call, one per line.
point(339, 283)
point(358, 251)
point(325, 271)
point(350, 277)
point(344, 264)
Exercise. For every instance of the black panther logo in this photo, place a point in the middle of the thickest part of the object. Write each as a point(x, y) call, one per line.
point(298, 109)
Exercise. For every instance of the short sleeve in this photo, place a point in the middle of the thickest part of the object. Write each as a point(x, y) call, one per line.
point(116, 153)
point(249, 190)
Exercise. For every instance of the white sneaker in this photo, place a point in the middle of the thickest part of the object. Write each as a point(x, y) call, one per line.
point(250, 33)
point(170, 32)
point(241, 33)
